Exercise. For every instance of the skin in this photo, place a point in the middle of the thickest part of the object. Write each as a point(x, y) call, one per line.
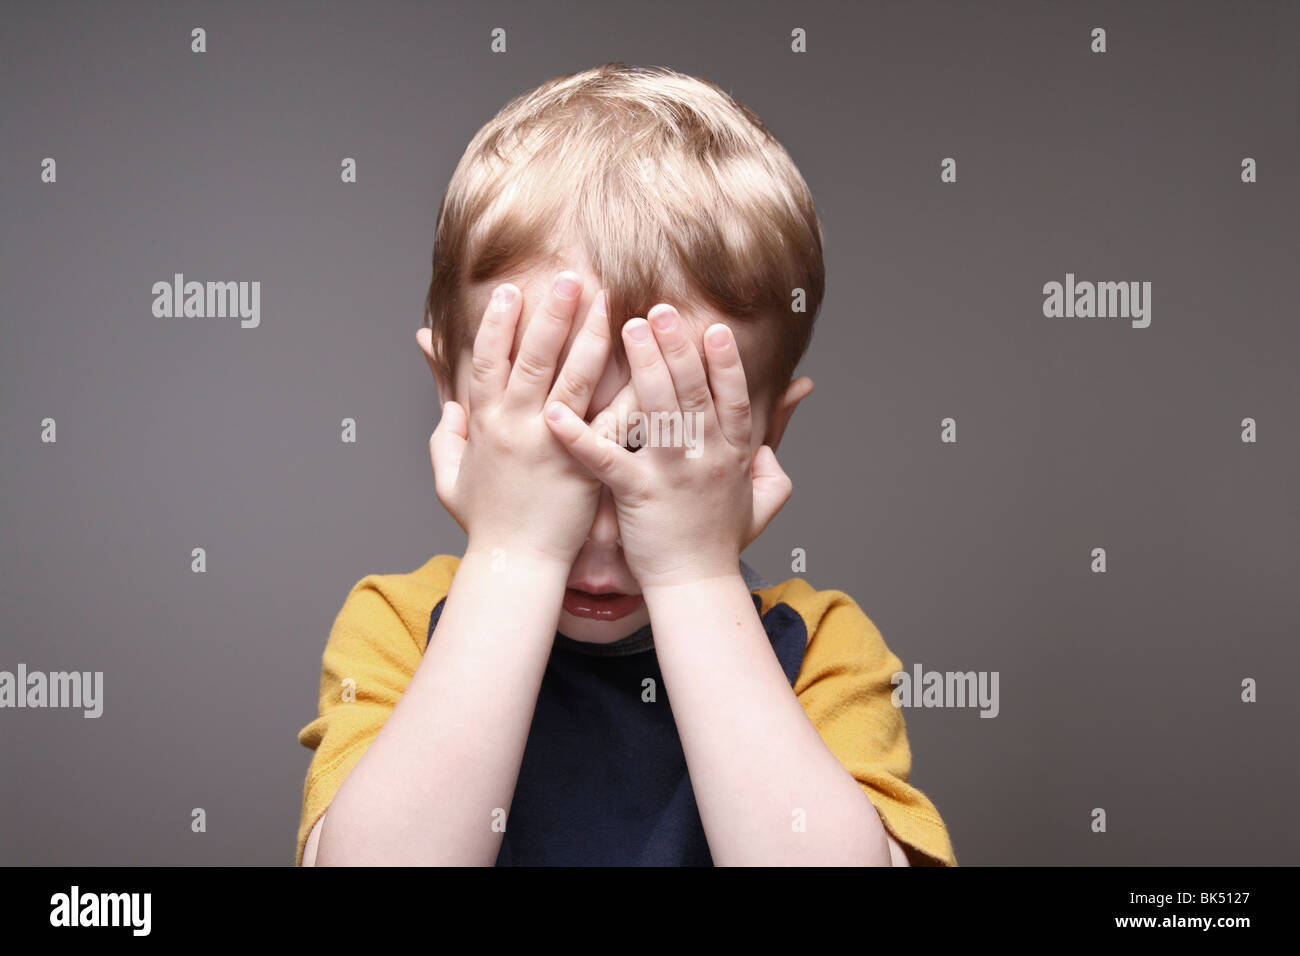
point(523, 460)
point(600, 561)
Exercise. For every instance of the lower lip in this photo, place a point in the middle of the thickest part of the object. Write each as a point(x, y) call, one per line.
point(600, 607)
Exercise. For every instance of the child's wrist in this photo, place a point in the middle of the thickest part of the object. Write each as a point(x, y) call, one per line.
point(515, 558)
point(699, 574)
point(670, 605)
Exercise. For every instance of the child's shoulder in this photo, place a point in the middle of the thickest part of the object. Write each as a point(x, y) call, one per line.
point(408, 597)
point(431, 578)
point(835, 634)
point(827, 613)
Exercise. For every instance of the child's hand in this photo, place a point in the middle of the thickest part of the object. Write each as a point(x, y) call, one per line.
point(499, 471)
point(683, 516)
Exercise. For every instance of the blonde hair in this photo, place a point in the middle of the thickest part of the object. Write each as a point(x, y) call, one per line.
point(675, 191)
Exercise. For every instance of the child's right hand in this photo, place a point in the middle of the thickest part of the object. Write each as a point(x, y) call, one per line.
point(498, 470)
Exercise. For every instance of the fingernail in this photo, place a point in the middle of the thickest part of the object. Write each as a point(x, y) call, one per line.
point(555, 411)
point(719, 336)
point(638, 330)
point(664, 317)
point(504, 296)
point(566, 285)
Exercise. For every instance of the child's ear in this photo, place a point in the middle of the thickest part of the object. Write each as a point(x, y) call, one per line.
point(783, 408)
point(424, 337)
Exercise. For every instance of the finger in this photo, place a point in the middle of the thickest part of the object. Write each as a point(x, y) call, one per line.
point(650, 376)
point(490, 368)
point(727, 381)
point(683, 360)
point(772, 489)
point(608, 462)
point(544, 338)
point(446, 449)
point(620, 407)
point(585, 363)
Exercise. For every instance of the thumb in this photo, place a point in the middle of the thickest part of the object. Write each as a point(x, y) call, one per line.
point(446, 448)
point(604, 459)
point(772, 489)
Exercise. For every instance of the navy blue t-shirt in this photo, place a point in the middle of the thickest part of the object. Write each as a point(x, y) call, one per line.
point(603, 779)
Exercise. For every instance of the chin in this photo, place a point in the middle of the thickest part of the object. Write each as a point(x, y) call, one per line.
point(602, 632)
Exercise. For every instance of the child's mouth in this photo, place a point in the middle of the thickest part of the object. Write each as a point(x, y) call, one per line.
point(602, 607)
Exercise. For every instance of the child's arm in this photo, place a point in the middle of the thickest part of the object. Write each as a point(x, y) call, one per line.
point(435, 785)
point(448, 756)
point(769, 789)
point(757, 764)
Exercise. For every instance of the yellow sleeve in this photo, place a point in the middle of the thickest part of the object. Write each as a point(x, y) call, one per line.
point(845, 687)
point(374, 647)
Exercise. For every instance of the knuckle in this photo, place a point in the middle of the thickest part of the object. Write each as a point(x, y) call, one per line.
point(696, 396)
point(481, 368)
point(558, 312)
point(573, 382)
point(644, 355)
point(530, 367)
point(675, 346)
point(736, 407)
point(727, 467)
point(598, 329)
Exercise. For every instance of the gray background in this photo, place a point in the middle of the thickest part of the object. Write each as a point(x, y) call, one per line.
point(1118, 690)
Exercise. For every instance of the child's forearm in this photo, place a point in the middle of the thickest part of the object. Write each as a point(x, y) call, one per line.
point(769, 790)
point(435, 785)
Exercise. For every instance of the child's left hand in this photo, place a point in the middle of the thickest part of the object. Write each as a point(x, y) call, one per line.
point(684, 513)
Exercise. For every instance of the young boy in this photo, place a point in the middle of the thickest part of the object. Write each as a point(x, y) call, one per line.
point(626, 270)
